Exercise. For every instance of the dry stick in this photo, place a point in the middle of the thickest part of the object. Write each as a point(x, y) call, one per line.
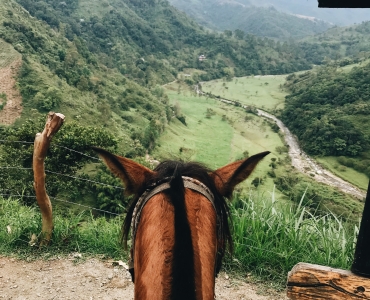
point(41, 145)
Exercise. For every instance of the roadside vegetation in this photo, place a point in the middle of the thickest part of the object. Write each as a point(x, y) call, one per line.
point(7, 54)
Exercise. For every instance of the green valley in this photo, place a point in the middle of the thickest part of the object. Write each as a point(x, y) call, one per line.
point(144, 80)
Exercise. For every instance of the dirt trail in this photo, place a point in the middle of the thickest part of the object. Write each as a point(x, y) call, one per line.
point(95, 279)
point(13, 107)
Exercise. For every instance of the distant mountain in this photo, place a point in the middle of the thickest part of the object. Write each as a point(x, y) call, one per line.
point(151, 41)
point(340, 42)
point(261, 21)
point(338, 16)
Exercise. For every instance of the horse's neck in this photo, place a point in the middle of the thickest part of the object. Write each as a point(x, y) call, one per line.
point(155, 242)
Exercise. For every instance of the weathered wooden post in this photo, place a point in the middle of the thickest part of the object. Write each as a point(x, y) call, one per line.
point(41, 145)
point(308, 281)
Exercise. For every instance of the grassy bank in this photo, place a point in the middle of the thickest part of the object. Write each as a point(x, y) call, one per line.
point(348, 174)
point(269, 240)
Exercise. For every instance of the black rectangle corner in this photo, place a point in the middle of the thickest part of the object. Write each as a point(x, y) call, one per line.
point(344, 3)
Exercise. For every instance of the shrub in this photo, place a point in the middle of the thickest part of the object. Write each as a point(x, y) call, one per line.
point(48, 100)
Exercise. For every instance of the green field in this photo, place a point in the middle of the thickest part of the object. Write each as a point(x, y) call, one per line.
point(220, 139)
point(348, 174)
point(264, 92)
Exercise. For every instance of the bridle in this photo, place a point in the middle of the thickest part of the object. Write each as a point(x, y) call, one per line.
point(157, 188)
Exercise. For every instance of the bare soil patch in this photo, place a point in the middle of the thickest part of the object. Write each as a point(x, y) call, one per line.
point(95, 279)
point(13, 107)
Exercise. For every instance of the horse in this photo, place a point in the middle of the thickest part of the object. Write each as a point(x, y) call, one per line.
point(179, 223)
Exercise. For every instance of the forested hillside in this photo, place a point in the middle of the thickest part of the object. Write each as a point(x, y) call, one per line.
point(339, 42)
point(259, 21)
point(101, 64)
point(328, 110)
point(150, 41)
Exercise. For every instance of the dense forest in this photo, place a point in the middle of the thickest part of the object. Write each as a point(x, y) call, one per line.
point(328, 110)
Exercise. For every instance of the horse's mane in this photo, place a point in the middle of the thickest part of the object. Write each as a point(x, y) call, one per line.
point(174, 170)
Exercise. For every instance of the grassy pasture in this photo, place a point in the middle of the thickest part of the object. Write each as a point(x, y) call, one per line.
point(265, 92)
point(220, 139)
point(261, 91)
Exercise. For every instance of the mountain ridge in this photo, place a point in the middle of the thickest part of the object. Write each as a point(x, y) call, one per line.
point(253, 19)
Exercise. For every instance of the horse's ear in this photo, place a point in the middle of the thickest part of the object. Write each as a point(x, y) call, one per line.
point(227, 177)
point(131, 173)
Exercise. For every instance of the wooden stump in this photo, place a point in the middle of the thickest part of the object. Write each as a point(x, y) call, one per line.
point(308, 281)
point(41, 145)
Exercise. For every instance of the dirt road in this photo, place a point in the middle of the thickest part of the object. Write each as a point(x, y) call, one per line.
point(95, 279)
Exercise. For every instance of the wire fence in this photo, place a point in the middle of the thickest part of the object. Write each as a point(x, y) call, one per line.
point(323, 212)
point(8, 195)
point(17, 194)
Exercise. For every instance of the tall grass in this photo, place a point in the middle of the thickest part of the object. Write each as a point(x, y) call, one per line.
point(81, 232)
point(269, 239)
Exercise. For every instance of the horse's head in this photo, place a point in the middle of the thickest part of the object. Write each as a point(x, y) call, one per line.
point(184, 228)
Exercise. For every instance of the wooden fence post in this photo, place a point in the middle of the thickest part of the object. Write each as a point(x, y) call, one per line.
point(308, 281)
point(41, 145)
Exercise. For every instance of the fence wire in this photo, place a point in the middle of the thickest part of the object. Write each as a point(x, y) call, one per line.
point(65, 175)
point(104, 184)
point(53, 145)
point(62, 200)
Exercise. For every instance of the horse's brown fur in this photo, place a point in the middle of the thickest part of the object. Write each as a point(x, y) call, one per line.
point(155, 253)
point(153, 257)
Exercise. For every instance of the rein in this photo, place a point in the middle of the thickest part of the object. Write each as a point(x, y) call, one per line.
point(157, 188)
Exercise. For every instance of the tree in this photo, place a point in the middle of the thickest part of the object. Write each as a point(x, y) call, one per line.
point(60, 159)
point(239, 34)
point(228, 33)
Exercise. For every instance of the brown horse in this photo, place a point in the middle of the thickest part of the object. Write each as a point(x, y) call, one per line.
point(179, 220)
